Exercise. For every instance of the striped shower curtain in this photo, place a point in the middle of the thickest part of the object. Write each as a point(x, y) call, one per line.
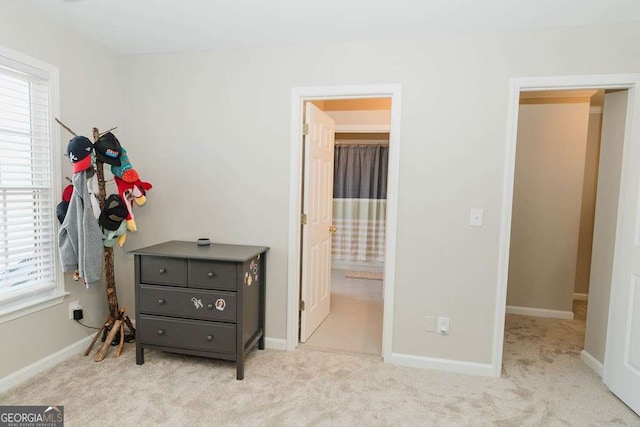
point(359, 202)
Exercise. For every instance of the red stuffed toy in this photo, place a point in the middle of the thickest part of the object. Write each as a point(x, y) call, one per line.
point(132, 191)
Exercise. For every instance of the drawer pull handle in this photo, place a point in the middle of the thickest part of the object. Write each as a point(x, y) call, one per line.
point(210, 306)
point(160, 331)
point(210, 275)
point(163, 270)
point(209, 337)
point(161, 301)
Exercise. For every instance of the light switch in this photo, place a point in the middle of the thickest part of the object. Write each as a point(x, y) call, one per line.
point(475, 218)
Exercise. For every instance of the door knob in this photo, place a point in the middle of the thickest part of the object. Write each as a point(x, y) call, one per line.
point(332, 229)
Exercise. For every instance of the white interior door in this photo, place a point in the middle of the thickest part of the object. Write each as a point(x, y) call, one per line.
point(622, 357)
point(316, 233)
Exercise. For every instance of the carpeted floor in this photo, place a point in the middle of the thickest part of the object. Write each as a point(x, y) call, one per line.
point(580, 310)
point(354, 324)
point(544, 384)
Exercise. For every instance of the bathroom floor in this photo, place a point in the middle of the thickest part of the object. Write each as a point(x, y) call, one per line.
point(354, 324)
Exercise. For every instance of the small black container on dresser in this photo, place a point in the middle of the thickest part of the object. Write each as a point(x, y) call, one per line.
point(200, 300)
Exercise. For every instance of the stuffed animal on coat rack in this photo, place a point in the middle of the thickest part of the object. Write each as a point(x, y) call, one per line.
point(130, 187)
point(132, 191)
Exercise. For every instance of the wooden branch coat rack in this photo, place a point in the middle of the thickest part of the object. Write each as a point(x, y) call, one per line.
point(117, 319)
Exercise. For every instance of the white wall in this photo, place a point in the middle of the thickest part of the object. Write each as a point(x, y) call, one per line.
point(547, 202)
point(211, 131)
point(90, 96)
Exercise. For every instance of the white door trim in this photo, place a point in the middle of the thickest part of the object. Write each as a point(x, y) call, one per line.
point(517, 85)
point(298, 96)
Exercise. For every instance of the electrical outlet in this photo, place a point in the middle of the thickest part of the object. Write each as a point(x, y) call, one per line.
point(443, 325)
point(73, 306)
point(429, 324)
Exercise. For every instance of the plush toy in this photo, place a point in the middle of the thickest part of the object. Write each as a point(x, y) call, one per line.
point(111, 236)
point(125, 170)
point(112, 221)
point(124, 166)
point(132, 191)
point(130, 187)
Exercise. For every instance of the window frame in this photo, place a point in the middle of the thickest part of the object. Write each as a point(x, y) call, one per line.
point(28, 304)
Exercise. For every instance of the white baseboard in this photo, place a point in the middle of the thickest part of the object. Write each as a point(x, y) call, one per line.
point(275, 343)
point(44, 364)
point(457, 366)
point(580, 297)
point(539, 312)
point(592, 362)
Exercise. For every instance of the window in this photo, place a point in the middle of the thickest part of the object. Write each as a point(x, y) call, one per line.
point(29, 184)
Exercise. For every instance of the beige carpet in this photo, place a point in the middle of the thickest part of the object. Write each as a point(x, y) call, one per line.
point(354, 324)
point(545, 384)
point(580, 310)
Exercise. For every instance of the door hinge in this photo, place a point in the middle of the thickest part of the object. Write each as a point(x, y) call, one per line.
point(305, 129)
point(301, 305)
point(303, 219)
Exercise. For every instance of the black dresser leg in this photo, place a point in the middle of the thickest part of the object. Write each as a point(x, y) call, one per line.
point(139, 354)
point(240, 370)
point(261, 343)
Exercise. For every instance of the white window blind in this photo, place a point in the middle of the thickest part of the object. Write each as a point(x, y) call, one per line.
point(27, 203)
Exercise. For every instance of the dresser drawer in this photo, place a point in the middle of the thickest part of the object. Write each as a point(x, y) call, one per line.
point(190, 334)
point(163, 271)
point(194, 304)
point(212, 275)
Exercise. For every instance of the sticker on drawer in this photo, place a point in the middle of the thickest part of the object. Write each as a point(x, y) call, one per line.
point(197, 302)
point(220, 304)
point(252, 275)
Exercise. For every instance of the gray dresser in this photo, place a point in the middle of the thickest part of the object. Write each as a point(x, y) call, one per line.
point(200, 300)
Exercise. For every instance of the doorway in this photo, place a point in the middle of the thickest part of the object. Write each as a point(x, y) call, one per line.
point(568, 164)
point(555, 180)
point(343, 298)
point(299, 97)
point(620, 355)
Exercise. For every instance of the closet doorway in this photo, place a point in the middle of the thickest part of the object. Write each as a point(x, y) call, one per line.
point(621, 355)
point(563, 226)
point(345, 241)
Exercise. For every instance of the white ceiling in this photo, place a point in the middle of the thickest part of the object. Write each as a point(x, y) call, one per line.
point(145, 26)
